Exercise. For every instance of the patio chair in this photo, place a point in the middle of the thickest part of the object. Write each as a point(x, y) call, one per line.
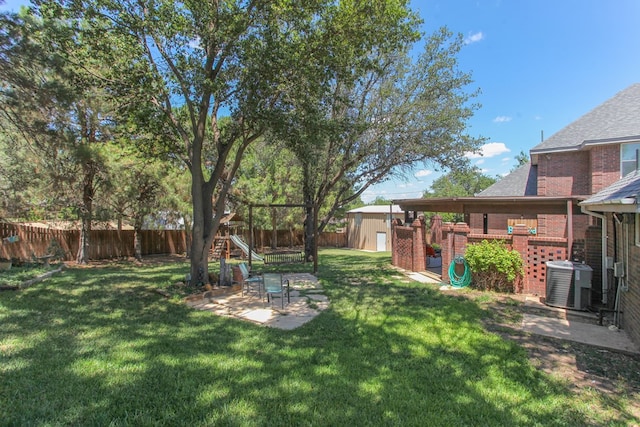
point(275, 284)
point(250, 282)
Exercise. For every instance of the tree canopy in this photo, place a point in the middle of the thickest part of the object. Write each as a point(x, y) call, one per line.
point(202, 82)
point(467, 181)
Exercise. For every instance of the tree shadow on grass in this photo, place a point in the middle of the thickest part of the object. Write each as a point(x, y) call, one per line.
point(103, 349)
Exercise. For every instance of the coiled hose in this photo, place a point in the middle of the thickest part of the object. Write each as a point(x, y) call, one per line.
point(459, 281)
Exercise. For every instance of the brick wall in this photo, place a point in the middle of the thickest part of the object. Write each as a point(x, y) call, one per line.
point(631, 298)
point(605, 166)
point(408, 246)
point(496, 223)
point(534, 250)
point(564, 174)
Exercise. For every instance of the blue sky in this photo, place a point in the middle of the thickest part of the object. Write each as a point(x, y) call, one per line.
point(540, 64)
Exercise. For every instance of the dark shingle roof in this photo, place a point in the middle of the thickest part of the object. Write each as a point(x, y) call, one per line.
point(617, 119)
point(626, 188)
point(521, 182)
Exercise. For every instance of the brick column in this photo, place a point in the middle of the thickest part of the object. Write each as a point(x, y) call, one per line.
point(520, 243)
point(419, 248)
point(394, 246)
point(447, 249)
point(461, 232)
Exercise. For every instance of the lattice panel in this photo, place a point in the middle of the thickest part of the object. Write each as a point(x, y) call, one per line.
point(537, 256)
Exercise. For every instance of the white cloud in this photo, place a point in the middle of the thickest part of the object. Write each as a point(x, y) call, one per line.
point(423, 172)
point(491, 149)
point(479, 162)
point(473, 38)
point(502, 119)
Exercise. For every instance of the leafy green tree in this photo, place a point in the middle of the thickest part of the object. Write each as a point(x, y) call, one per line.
point(137, 185)
point(270, 174)
point(382, 119)
point(248, 60)
point(54, 107)
point(379, 200)
point(463, 182)
point(521, 159)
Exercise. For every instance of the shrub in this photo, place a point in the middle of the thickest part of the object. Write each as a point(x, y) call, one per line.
point(494, 267)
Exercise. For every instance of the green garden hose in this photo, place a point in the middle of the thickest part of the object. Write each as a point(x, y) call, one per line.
point(459, 281)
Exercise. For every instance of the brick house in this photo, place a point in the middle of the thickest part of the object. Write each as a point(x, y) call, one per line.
point(546, 207)
point(618, 207)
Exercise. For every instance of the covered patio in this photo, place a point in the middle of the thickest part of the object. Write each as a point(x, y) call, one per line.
point(409, 240)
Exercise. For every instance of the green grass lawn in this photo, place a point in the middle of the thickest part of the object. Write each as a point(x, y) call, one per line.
point(96, 346)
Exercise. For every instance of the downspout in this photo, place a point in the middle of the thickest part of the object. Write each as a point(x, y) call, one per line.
point(605, 279)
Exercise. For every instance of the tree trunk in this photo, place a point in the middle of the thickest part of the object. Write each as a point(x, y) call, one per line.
point(203, 227)
point(89, 172)
point(137, 239)
point(308, 195)
point(309, 235)
point(274, 230)
point(85, 230)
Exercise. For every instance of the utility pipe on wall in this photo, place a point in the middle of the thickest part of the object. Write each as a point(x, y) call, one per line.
point(605, 276)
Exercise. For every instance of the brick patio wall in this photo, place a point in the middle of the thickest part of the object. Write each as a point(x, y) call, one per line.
point(534, 250)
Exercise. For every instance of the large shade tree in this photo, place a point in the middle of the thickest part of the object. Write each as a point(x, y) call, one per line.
point(399, 112)
point(246, 59)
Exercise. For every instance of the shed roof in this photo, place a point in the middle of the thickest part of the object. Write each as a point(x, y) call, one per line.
point(382, 209)
point(615, 120)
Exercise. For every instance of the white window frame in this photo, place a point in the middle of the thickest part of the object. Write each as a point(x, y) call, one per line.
point(630, 159)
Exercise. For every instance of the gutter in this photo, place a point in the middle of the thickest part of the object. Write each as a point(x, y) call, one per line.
point(605, 280)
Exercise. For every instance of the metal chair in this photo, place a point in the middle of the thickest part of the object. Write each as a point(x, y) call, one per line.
point(274, 284)
point(249, 281)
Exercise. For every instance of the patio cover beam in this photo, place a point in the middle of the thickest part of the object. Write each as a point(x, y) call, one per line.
point(505, 205)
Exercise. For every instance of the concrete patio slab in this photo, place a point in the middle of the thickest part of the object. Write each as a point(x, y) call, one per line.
point(307, 300)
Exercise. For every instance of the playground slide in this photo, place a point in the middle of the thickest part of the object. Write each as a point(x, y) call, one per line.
point(237, 240)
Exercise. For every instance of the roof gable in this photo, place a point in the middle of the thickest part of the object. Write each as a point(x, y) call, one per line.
point(614, 120)
point(521, 182)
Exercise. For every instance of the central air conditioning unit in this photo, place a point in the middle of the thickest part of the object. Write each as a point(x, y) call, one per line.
point(568, 285)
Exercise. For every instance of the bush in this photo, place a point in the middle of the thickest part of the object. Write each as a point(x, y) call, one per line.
point(494, 267)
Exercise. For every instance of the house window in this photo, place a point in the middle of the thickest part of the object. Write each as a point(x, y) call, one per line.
point(628, 158)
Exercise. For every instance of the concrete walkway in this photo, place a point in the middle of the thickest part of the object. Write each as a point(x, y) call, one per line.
point(307, 301)
point(569, 326)
point(572, 328)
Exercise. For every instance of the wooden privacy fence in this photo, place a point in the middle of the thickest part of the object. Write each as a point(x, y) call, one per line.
point(264, 239)
point(24, 242)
